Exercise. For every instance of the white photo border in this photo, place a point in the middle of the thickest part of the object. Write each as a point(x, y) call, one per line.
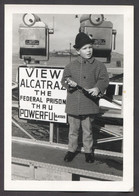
point(127, 183)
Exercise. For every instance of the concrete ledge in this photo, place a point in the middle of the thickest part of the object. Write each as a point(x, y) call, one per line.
point(50, 162)
point(46, 171)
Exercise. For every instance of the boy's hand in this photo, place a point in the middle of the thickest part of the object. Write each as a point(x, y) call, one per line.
point(71, 83)
point(93, 91)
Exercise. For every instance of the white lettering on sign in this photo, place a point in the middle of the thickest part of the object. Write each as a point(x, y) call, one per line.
point(41, 94)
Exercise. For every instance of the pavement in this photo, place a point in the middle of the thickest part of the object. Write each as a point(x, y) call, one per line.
point(49, 155)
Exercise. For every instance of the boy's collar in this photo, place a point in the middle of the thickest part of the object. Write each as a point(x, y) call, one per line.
point(82, 60)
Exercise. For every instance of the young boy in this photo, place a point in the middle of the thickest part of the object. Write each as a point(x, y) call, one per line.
point(92, 75)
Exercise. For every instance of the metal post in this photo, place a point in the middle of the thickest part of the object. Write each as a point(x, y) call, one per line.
point(70, 52)
point(57, 129)
point(51, 128)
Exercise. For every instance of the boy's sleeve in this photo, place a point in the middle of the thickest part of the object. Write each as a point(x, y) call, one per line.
point(102, 79)
point(67, 74)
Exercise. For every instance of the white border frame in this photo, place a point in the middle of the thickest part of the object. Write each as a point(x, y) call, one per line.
point(127, 183)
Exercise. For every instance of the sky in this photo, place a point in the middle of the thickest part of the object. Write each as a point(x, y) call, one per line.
point(66, 27)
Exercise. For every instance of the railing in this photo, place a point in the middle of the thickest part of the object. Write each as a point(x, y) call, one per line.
point(57, 133)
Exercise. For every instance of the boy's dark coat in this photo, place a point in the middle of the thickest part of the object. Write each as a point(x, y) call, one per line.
point(88, 74)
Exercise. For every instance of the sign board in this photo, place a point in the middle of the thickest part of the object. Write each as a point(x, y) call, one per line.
point(41, 94)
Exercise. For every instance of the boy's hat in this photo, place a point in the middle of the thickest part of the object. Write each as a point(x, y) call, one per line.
point(81, 40)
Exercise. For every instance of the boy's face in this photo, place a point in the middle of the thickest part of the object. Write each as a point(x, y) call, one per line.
point(86, 51)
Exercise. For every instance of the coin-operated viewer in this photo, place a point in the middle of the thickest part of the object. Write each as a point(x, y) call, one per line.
point(101, 31)
point(34, 39)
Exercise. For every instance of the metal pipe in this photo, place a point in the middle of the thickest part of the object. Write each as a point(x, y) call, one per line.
point(110, 139)
point(22, 129)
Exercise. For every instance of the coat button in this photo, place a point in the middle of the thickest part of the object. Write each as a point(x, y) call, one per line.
point(84, 77)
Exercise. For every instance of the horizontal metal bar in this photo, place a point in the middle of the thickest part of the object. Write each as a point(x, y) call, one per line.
point(14, 85)
point(15, 104)
point(110, 139)
point(15, 97)
point(106, 130)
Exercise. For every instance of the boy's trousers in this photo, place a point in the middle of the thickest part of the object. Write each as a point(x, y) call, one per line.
point(74, 125)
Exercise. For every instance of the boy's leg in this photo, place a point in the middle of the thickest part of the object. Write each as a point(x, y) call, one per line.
point(87, 133)
point(74, 126)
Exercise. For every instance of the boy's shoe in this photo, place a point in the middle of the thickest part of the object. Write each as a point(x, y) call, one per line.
point(89, 157)
point(69, 156)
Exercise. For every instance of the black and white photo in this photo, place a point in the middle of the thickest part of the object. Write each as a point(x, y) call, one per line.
point(69, 98)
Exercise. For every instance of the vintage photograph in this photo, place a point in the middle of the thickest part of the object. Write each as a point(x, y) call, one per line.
point(69, 98)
